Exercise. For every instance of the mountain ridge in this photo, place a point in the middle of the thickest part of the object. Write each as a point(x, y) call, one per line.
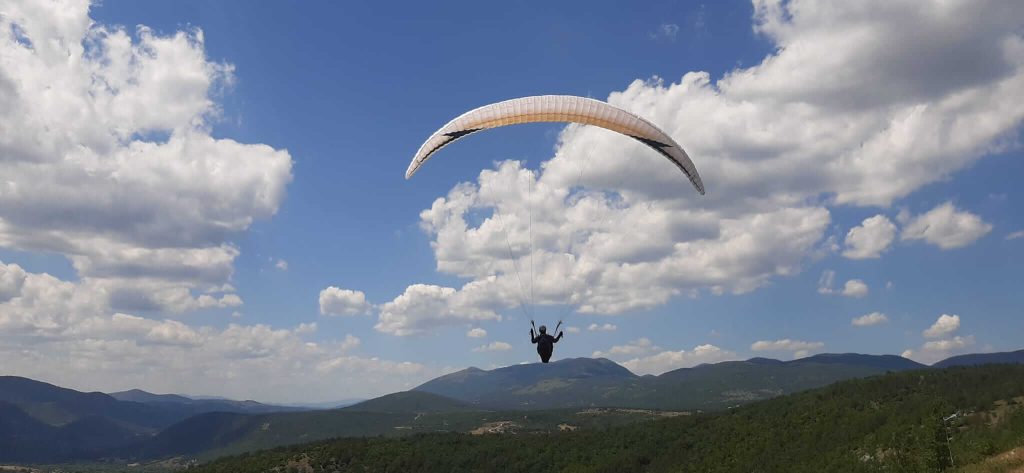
point(41, 422)
point(973, 359)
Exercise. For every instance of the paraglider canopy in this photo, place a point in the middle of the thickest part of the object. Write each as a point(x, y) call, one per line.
point(558, 108)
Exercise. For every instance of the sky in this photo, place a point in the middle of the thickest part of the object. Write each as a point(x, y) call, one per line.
point(207, 198)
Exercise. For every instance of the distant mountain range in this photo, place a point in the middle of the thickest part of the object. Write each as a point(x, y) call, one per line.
point(585, 382)
point(189, 406)
point(43, 423)
point(982, 359)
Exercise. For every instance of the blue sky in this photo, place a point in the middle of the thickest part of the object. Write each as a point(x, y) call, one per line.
point(266, 144)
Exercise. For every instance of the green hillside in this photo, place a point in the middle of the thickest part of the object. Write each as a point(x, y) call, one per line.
point(884, 423)
point(211, 435)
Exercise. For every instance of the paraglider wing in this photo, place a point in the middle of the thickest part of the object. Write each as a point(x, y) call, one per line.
point(557, 108)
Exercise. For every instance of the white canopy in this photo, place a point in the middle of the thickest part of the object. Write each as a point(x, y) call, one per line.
point(558, 108)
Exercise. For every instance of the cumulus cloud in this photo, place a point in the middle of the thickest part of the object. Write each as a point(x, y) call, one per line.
point(113, 134)
point(669, 360)
point(946, 227)
point(281, 265)
point(855, 288)
point(941, 342)
point(936, 350)
point(493, 346)
point(12, 279)
point(870, 238)
point(1015, 235)
point(476, 333)
point(642, 356)
point(954, 343)
point(852, 287)
point(66, 332)
point(944, 325)
point(602, 328)
point(640, 346)
point(868, 320)
point(423, 307)
point(307, 328)
point(604, 228)
point(337, 301)
point(799, 348)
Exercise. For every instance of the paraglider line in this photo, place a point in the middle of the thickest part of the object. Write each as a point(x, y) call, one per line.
point(533, 300)
point(508, 244)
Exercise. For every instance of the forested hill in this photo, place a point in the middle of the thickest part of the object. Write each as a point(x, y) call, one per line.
point(585, 382)
point(891, 422)
point(982, 359)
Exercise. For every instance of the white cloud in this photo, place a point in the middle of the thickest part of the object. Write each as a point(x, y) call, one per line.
point(870, 239)
point(946, 345)
point(476, 333)
point(572, 329)
point(65, 332)
point(602, 328)
point(944, 325)
point(855, 288)
point(640, 346)
point(338, 301)
point(799, 348)
point(667, 31)
point(946, 227)
point(281, 265)
point(852, 287)
point(423, 307)
point(775, 144)
point(493, 346)
point(12, 279)
point(669, 360)
point(936, 350)
point(942, 343)
point(868, 320)
point(1015, 235)
point(351, 342)
point(108, 157)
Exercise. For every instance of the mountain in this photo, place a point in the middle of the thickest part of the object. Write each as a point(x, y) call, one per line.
point(326, 404)
point(982, 359)
point(584, 382)
point(188, 406)
point(574, 382)
point(883, 423)
point(411, 402)
point(138, 395)
point(885, 362)
point(40, 422)
point(24, 438)
point(57, 406)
